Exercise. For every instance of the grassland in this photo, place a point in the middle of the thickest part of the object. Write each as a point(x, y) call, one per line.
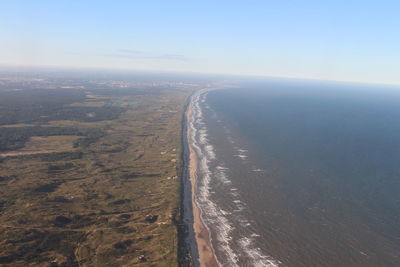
point(91, 178)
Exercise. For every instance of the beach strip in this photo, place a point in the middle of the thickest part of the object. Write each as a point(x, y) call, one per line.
point(202, 235)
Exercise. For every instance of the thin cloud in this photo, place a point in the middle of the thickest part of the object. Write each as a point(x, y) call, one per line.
point(129, 51)
point(136, 54)
point(173, 57)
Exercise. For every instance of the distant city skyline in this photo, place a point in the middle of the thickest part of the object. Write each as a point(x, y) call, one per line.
point(336, 40)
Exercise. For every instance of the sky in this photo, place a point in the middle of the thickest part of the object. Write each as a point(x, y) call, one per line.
point(348, 40)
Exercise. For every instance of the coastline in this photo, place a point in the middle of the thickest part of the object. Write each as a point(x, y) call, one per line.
point(202, 238)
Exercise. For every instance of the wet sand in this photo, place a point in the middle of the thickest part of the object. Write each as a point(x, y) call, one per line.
point(23, 153)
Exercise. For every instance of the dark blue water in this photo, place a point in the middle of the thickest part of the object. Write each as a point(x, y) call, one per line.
point(312, 173)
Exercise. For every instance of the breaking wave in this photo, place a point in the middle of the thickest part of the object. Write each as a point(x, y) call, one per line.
point(220, 222)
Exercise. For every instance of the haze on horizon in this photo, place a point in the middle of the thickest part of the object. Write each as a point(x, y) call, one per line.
point(340, 40)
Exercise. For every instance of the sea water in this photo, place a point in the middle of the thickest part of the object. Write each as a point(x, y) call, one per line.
point(299, 173)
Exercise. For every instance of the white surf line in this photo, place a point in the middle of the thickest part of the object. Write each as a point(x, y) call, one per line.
point(210, 212)
point(205, 189)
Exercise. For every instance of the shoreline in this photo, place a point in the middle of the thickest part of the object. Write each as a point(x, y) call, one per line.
point(205, 252)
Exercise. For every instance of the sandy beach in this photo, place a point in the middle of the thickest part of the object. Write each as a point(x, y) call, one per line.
point(205, 251)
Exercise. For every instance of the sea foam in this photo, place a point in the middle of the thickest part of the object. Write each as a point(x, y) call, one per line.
point(220, 221)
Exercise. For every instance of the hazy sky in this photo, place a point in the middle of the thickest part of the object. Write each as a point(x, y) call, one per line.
point(335, 40)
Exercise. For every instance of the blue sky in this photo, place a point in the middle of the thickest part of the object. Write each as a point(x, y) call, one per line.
point(333, 40)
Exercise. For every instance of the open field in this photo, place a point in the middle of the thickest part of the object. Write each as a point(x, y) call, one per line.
point(45, 144)
point(91, 178)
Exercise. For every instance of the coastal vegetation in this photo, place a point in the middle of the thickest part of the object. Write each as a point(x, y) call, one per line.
point(90, 177)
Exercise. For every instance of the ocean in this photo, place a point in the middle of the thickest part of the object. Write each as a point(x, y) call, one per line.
point(300, 173)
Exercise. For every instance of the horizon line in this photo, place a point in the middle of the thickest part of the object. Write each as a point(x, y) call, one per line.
point(193, 73)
